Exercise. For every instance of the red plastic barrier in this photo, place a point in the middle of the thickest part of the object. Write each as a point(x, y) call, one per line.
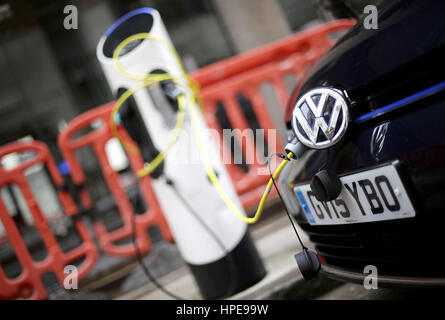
point(97, 139)
point(29, 283)
point(245, 73)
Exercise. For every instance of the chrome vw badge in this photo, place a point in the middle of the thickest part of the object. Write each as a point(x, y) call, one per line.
point(320, 117)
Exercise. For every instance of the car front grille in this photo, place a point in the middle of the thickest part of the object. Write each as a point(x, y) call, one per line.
point(406, 247)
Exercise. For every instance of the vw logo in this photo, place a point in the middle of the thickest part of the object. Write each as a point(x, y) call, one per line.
point(320, 117)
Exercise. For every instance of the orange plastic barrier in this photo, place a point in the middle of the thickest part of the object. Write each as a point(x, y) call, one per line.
point(29, 283)
point(223, 81)
point(97, 139)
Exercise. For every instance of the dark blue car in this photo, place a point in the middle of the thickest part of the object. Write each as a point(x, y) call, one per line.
point(372, 113)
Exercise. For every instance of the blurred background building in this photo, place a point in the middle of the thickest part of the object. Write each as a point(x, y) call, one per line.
point(50, 74)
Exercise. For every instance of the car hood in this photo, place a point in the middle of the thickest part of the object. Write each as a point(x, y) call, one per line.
point(406, 30)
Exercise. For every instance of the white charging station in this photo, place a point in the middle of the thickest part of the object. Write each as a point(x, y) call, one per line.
point(207, 261)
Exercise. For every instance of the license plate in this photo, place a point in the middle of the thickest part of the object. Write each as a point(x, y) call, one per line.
point(373, 195)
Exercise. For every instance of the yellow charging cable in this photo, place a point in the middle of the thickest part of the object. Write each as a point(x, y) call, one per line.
point(174, 136)
point(151, 79)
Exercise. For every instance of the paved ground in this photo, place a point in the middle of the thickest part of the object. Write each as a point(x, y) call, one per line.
point(276, 244)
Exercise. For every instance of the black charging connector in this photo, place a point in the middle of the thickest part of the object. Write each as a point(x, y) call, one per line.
point(326, 185)
point(308, 263)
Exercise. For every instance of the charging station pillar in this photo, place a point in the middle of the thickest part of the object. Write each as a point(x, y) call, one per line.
point(150, 117)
